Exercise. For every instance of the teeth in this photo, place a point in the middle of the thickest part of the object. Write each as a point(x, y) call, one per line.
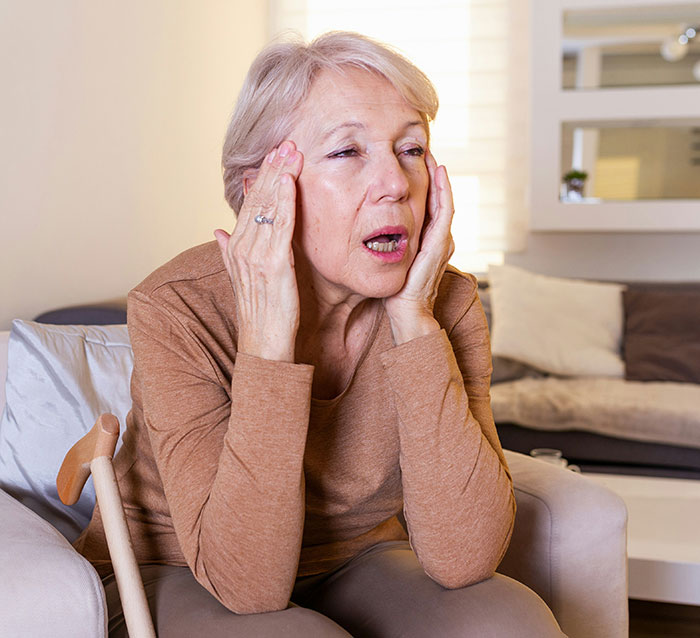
point(382, 247)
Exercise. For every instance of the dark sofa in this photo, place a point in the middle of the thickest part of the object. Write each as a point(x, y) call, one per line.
point(661, 344)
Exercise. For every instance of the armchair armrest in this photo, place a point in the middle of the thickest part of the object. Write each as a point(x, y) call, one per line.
point(46, 587)
point(570, 546)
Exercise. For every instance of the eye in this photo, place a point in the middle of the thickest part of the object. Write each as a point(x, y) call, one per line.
point(346, 152)
point(414, 151)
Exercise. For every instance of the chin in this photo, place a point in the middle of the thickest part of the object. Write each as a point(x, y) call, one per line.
point(382, 286)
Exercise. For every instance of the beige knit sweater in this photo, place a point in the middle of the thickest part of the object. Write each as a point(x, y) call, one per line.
point(230, 466)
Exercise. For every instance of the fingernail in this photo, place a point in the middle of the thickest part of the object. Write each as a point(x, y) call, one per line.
point(284, 149)
point(271, 156)
point(291, 158)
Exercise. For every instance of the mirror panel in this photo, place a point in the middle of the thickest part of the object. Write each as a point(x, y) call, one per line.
point(647, 161)
point(631, 46)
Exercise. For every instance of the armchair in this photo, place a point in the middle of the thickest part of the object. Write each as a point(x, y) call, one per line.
point(568, 546)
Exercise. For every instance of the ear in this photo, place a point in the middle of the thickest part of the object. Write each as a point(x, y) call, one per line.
point(249, 177)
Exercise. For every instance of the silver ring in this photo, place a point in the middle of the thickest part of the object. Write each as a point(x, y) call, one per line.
point(261, 219)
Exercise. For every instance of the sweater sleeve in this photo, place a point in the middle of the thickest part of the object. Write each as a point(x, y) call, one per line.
point(458, 498)
point(229, 454)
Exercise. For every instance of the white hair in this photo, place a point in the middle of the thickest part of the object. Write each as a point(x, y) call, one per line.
point(279, 80)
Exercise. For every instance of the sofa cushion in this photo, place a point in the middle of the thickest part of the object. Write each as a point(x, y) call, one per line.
point(47, 588)
point(504, 369)
point(566, 327)
point(662, 335)
point(59, 380)
point(4, 338)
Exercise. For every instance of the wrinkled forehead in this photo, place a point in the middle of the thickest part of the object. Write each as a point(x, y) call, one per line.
point(335, 93)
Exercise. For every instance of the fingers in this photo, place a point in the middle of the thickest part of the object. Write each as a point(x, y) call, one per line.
point(273, 196)
point(286, 211)
point(432, 202)
point(443, 221)
point(263, 197)
point(440, 205)
point(440, 191)
point(445, 200)
point(222, 238)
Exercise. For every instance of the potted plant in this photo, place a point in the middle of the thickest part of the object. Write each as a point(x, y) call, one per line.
point(574, 181)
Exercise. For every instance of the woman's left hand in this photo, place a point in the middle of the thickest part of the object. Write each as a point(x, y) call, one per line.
point(410, 310)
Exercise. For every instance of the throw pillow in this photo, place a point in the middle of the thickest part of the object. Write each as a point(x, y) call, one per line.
point(662, 336)
point(567, 327)
point(504, 369)
point(59, 380)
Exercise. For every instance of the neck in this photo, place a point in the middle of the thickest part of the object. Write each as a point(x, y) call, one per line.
point(328, 312)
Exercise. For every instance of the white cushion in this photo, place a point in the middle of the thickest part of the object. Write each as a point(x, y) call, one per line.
point(4, 336)
point(567, 327)
point(47, 588)
point(59, 380)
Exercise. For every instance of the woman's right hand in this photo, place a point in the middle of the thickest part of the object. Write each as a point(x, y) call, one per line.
point(260, 261)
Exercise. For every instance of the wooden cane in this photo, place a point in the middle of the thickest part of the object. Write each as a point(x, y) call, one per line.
point(93, 454)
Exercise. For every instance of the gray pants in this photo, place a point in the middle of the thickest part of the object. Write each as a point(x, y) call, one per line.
point(382, 593)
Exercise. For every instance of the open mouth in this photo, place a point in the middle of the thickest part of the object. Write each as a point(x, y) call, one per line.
point(387, 240)
point(384, 243)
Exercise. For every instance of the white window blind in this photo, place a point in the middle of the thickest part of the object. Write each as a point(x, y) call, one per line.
point(466, 49)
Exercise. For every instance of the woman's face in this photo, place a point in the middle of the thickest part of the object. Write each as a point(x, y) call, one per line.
point(363, 187)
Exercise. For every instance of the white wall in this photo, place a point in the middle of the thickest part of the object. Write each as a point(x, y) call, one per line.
point(112, 117)
point(613, 256)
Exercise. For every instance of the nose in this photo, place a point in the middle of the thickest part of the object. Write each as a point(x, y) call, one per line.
point(389, 179)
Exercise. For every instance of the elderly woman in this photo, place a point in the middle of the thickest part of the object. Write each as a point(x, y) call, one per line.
point(300, 382)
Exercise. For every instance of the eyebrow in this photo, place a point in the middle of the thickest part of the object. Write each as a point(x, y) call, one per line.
point(335, 129)
point(361, 126)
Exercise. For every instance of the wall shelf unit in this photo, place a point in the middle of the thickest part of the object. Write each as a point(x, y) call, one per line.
point(552, 106)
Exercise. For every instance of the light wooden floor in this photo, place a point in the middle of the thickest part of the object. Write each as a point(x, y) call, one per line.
point(663, 620)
